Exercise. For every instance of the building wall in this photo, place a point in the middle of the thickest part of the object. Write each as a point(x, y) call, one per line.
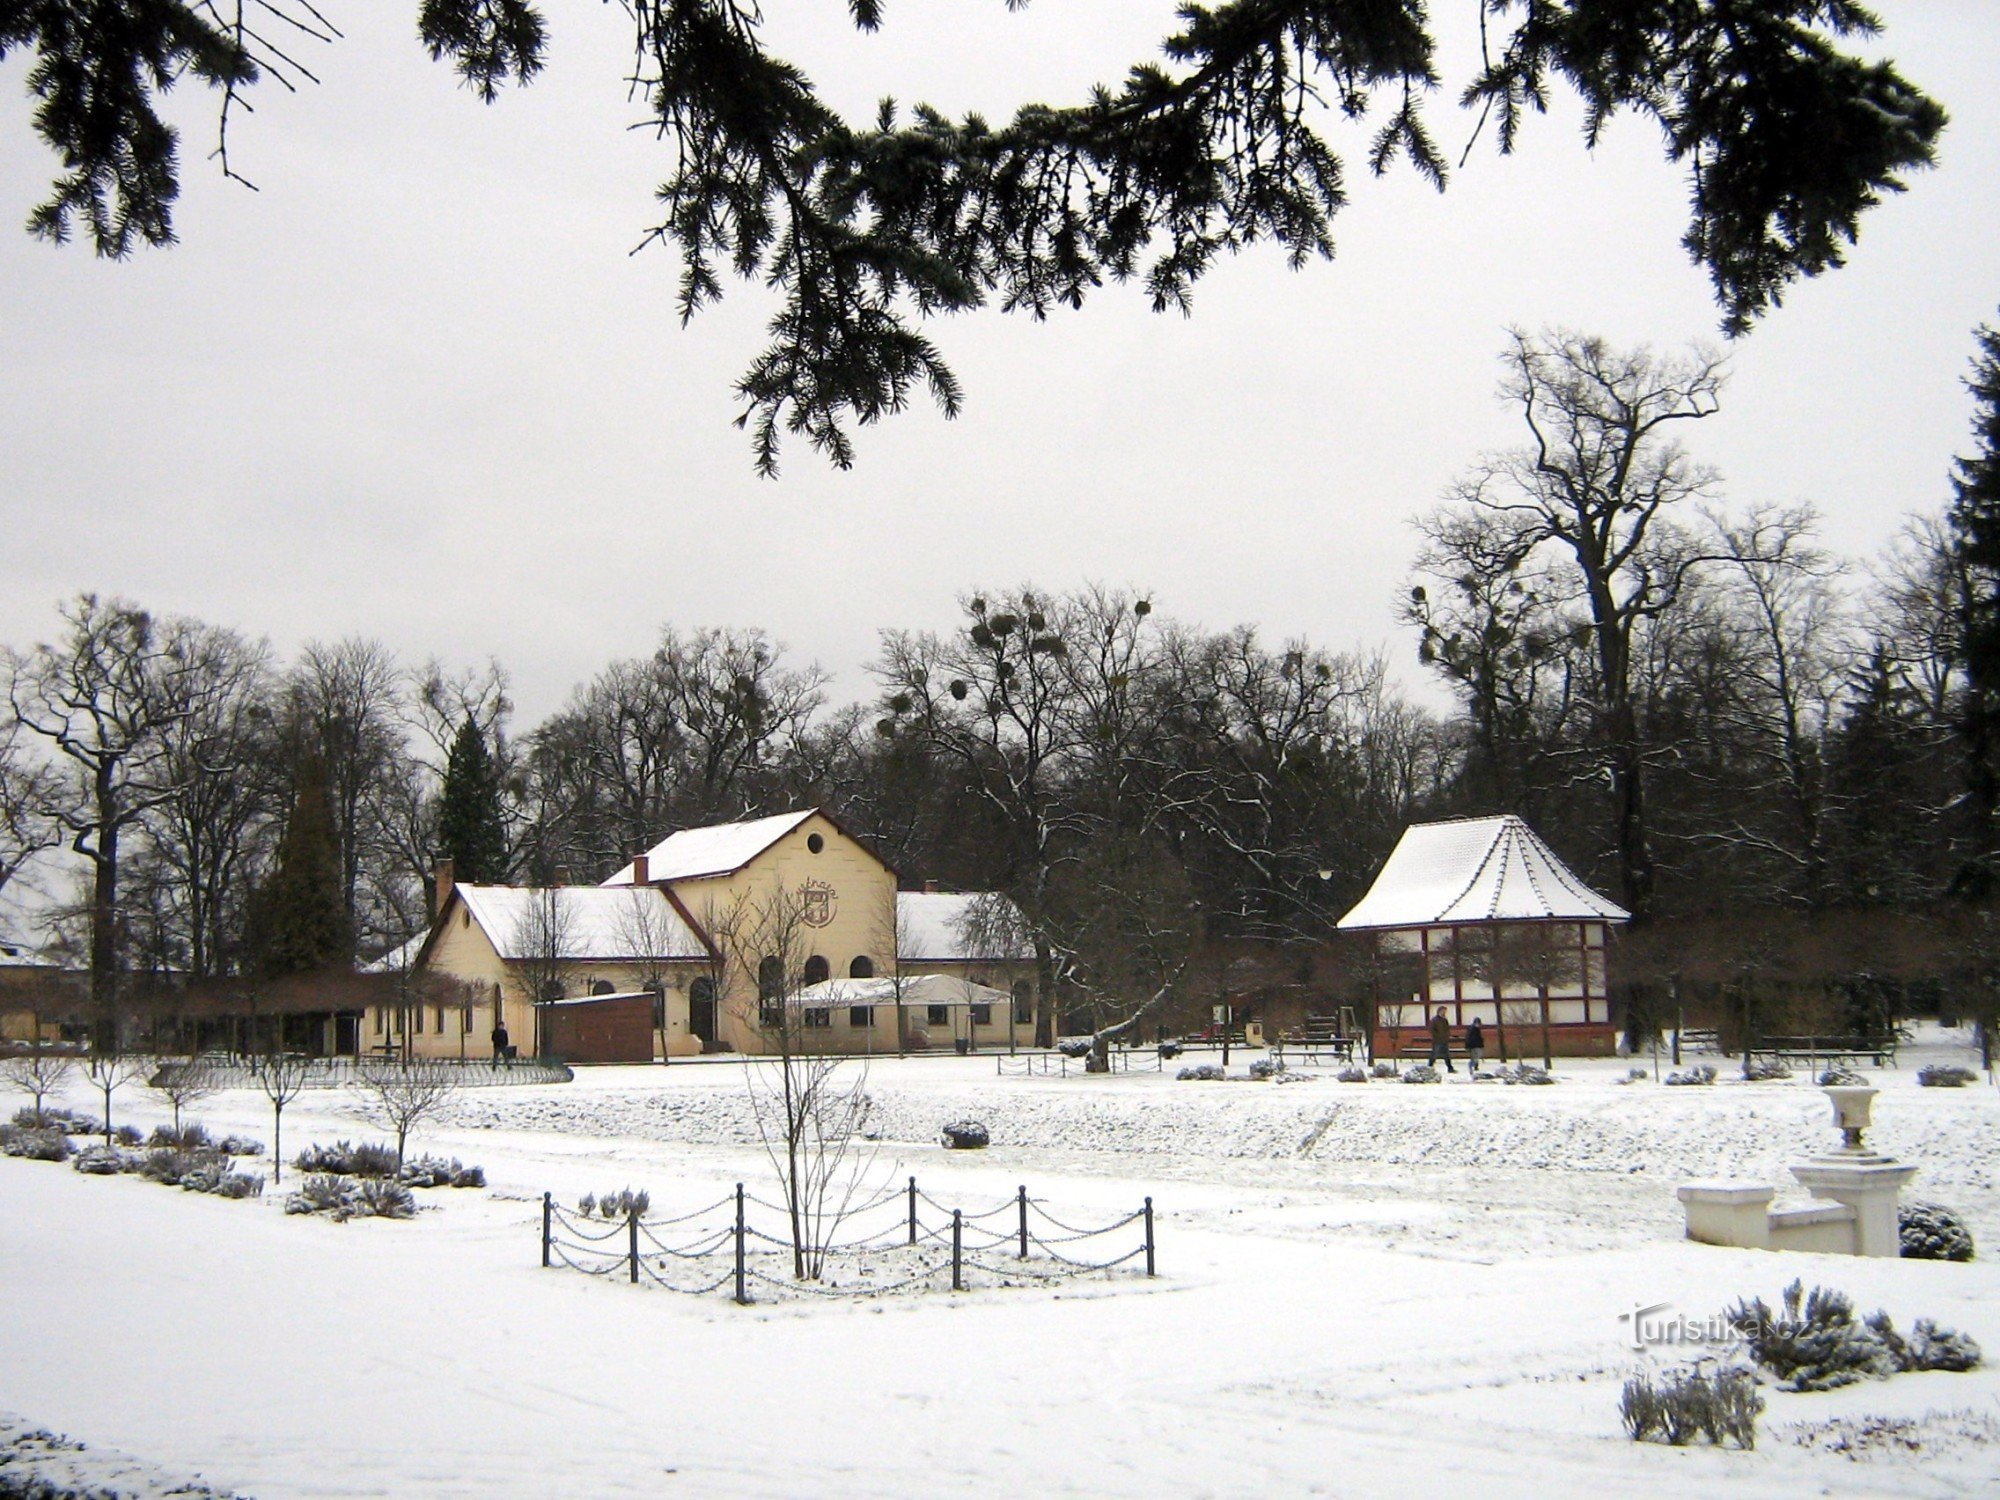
point(1563, 984)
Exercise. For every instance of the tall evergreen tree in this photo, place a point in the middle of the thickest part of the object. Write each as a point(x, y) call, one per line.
point(471, 832)
point(1975, 526)
point(298, 920)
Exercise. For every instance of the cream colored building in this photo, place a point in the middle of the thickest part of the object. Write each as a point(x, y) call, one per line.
point(717, 923)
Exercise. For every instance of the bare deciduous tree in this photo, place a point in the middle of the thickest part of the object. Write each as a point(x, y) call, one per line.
point(809, 1110)
point(38, 1073)
point(281, 1075)
point(544, 948)
point(403, 1095)
point(110, 1068)
point(185, 1083)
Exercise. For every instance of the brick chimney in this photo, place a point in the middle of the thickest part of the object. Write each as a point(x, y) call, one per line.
point(441, 884)
point(641, 870)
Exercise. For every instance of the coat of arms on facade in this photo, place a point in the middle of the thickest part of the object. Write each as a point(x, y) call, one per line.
point(816, 903)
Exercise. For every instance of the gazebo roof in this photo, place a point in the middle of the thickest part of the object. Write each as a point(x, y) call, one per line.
point(1475, 870)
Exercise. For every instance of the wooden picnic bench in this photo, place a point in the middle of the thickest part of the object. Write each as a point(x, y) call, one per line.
point(1314, 1042)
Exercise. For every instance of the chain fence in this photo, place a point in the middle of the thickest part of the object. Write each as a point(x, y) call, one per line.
point(1061, 1064)
point(900, 1241)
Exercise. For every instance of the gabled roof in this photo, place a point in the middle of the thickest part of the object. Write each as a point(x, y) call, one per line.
point(723, 849)
point(399, 958)
point(602, 921)
point(1476, 870)
point(931, 927)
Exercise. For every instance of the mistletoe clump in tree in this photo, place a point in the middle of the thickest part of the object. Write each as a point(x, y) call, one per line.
point(867, 229)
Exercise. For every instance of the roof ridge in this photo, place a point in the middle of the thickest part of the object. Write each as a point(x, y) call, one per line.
point(1477, 870)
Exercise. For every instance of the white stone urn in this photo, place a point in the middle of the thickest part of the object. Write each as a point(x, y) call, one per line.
point(1853, 1112)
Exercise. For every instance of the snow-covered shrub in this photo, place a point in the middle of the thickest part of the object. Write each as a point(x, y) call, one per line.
point(1266, 1067)
point(1694, 1077)
point(190, 1137)
point(1422, 1073)
point(617, 1205)
point(436, 1172)
point(1932, 1232)
point(1202, 1073)
point(1945, 1076)
point(239, 1145)
point(965, 1135)
point(1930, 1347)
point(237, 1185)
point(1074, 1046)
point(1634, 1075)
point(323, 1193)
point(1169, 1051)
point(128, 1135)
point(52, 1117)
point(1352, 1075)
point(47, 1143)
point(1818, 1344)
point(343, 1159)
point(1720, 1406)
point(165, 1165)
point(1526, 1073)
point(1841, 1078)
point(102, 1161)
point(385, 1199)
point(1771, 1071)
point(1384, 1069)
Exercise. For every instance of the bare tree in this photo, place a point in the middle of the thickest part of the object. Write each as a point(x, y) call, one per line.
point(649, 930)
point(809, 1112)
point(39, 1073)
point(111, 1068)
point(1597, 489)
point(403, 1095)
point(184, 1084)
point(544, 948)
point(105, 697)
point(29, 793)
point(281, 1075)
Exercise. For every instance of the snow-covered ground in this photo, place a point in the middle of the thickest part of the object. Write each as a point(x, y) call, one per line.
point(1380, 1287)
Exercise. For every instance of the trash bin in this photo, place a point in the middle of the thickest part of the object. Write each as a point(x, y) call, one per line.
point(964, 1045)
point(1253, 1033)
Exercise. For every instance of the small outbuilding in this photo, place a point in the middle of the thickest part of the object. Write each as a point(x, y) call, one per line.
point(1477, 919)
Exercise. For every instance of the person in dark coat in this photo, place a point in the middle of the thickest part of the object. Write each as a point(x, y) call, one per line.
point(1441, 1042)
point(501, 1050)
point(1475, 1045)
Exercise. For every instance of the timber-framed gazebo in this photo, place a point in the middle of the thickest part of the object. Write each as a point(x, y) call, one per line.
point(1478, 919)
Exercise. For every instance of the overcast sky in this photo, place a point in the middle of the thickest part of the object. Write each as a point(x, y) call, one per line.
point(416, 387)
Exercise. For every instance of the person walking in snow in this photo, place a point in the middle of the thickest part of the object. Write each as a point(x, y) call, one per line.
point(1475, 1046)
point(1441, 1041)
point(500, 1047)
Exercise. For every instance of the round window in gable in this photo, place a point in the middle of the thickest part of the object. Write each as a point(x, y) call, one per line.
point(815, 843)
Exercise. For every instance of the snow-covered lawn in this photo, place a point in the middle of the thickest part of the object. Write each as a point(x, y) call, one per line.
point(1365, 1288)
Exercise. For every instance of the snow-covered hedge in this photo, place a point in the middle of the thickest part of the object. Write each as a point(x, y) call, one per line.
point(1933, 1232)
point(965, 1135)
point(1945, 1076)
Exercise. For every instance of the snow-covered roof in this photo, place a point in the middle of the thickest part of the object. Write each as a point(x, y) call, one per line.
point(915, 989)
point(1476, 870)
point(721, 849)
point(398, 958)
point(602, 922)
point(931, 926)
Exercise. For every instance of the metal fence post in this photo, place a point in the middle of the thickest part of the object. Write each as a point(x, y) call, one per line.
point(548, 1213)
point(1149, 1236)
point(632, 1234)
point(913, 1210)
point(957, 1265)
point(740, 1298)
point(1024, 1221)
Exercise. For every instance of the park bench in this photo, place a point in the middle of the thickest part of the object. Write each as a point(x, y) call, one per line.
point(1831, 1049)
point(1316, 1041)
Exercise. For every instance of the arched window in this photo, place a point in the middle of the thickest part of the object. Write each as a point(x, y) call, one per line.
point(1024, 1002)
point(603, 987)
point(817, 970)
point(863, 967)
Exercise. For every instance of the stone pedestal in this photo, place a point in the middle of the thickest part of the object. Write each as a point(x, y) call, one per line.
point(1868, 1184)
point(1729, 1213)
